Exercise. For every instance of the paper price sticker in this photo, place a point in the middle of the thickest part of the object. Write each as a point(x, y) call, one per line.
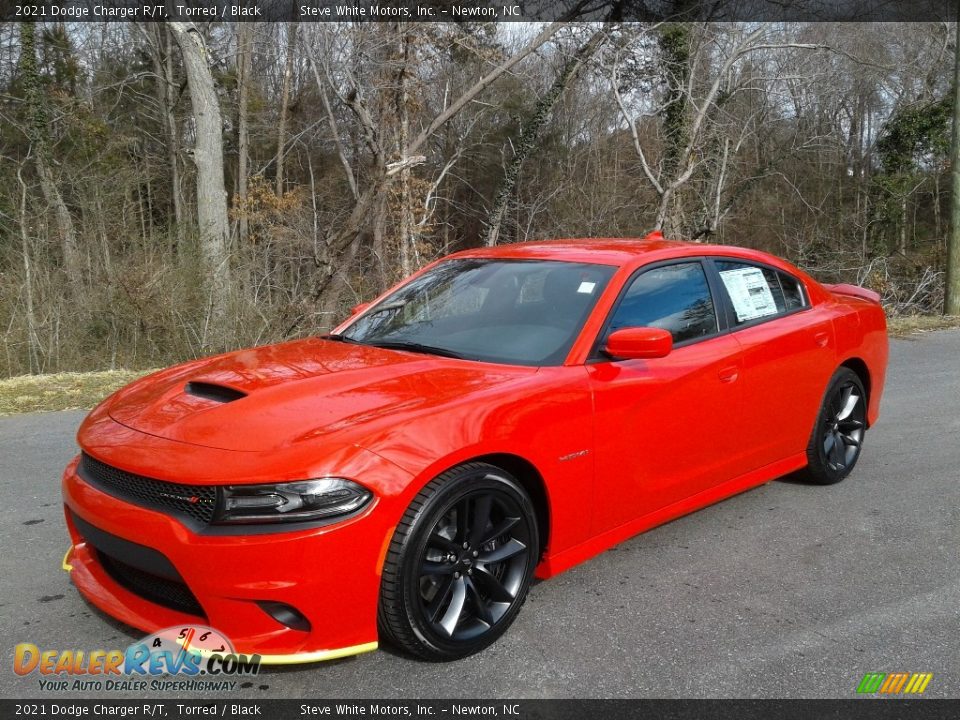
point(749, 292)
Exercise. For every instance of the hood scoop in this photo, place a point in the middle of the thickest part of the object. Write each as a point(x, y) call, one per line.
point(212, 391)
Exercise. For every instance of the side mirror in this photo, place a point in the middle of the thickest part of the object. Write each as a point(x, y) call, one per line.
point(357, 309)
point(639, 343)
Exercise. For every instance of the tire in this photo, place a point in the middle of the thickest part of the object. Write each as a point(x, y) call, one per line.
point(459, 565)
point(837, 438)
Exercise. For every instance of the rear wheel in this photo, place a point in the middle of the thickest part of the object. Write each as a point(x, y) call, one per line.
point(837, 438)
point(460, 564)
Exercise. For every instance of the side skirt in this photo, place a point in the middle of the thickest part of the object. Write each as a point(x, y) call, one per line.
point(566, 559)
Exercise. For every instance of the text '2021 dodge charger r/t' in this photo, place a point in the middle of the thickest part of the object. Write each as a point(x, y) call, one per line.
point(503, 413)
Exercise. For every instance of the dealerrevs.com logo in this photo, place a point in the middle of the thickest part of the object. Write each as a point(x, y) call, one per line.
point(200, 658)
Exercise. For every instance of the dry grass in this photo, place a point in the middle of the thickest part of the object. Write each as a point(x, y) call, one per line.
point(905, 325)
point(63, 391)
point(76, 391)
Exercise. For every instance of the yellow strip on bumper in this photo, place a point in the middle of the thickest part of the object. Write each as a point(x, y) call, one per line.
point(293, 658)
point(317, 656)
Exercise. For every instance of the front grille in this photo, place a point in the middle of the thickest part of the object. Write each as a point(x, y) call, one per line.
point(193, 502)
point(168, 593)
point(142, 570)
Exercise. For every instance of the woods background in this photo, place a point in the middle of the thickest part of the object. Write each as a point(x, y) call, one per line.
point(170, 190)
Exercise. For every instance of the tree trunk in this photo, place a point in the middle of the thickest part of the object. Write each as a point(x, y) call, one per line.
point(173, 146)
point(332, 122)
point(331, 300)
point(407, 237)
point(530, 133)
point(244, 51)
point(68, 233)
point(674, 41)
point(33, 343)
point(285, 101)
point(163, 69)
point(37, 130)
point(902, 235)
point(675, 47)
point(951, 305)
point(208, 157)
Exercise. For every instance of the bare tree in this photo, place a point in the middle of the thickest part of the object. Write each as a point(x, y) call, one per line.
point(207, 155)
point(285, 101)
point(33, 342)
point(382, 173)
point(244, 70)
point(160, 44)
point(533, 127)
point(951, 304)
point(37, 130)
point(828, 144)
point(407, 230)
point(686, 160)
point(333, 125)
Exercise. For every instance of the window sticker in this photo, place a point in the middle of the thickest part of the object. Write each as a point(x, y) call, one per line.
point(586, 287)
point(749, 292)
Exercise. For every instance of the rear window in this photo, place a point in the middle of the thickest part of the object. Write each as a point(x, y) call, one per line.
point(756, 292)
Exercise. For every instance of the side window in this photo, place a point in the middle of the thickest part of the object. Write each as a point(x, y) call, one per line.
point(792, 292)
point(674, 297)
point(757, 292)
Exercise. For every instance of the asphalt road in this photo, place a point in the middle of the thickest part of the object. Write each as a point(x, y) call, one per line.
point(785, 591)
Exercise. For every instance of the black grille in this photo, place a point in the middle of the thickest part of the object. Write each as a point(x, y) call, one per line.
point(193, 502)
point(169, 593)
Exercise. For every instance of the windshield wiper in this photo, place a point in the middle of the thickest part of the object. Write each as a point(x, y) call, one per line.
point(339, 338)
point(417, 347)
point(398, 345)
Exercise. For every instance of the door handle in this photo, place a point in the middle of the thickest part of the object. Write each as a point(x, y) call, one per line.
point(729, 374)
point(822, 338)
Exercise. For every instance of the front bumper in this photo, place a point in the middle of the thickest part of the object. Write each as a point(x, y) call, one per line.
point(329, 574)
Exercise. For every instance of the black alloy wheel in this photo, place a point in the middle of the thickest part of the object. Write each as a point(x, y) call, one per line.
point(838, 436)
point(460, 563)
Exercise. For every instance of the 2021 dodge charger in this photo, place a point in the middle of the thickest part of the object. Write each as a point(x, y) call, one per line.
point(504, 412)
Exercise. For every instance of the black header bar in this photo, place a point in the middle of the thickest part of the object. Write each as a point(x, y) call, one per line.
point(181, 709)
point(479, 10)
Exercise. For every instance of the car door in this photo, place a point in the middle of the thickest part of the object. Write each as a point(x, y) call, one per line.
point(671, 427)
point(789, 354)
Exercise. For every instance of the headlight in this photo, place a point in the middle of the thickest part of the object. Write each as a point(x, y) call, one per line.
point(301, 501)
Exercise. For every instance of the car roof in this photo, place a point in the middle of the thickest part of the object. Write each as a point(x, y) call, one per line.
point(611, 251)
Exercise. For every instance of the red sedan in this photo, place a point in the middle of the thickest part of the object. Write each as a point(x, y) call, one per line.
point(502, 413)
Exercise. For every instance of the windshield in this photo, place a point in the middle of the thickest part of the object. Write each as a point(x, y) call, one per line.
point(518, 312)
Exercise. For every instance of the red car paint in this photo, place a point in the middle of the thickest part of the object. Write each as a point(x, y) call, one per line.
point(617, 447)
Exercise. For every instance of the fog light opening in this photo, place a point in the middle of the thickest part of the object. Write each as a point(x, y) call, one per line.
point(285, 615)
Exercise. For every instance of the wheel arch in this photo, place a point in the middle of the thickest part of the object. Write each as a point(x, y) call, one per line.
point(532, 481)
point(858, 366)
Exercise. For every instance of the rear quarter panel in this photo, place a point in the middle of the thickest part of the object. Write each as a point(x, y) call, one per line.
point(860, 327)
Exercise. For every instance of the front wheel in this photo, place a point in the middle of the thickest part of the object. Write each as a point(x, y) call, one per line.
point(837, 437)
point(460, 564)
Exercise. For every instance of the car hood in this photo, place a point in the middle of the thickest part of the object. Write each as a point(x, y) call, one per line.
point(269, 397)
